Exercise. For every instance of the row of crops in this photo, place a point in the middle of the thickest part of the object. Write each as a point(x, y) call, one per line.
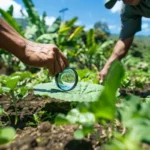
point(128, 114)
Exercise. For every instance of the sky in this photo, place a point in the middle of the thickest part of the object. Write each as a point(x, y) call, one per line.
point(87, 11)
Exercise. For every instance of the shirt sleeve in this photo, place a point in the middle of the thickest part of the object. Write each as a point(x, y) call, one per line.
point(130, 22)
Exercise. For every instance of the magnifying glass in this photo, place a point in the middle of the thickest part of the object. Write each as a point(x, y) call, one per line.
point(67, 80)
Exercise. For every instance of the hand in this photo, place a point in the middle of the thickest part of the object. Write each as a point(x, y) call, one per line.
point(102, 74)
point(44, 55)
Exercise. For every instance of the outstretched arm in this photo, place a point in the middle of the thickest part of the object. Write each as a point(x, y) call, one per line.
point(31, 53)
point(120, 50)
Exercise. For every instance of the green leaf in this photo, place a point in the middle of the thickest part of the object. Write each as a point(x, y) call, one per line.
point(77, 31)
point(32, 12)
point(5, 90)
point(84, 91)
point(67, 26)
point(107, 44)
point(1, 90)
point(75, 116)
point(47, 38)
point(22, 92)
point(55, 26)
point(10, 10)
point(22, 75)
point(11, 21)
point(61, 119)
point(79, 134)
point(104, 107)
point(64, 29)
point(90, 38)
point(30, 31)
point(71, 22)
point(6, 135)
point(12, 82)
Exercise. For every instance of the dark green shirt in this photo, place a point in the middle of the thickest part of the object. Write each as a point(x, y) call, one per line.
point(131, 18)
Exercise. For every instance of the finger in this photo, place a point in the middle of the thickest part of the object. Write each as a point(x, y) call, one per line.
point(63, 57)
point(101, 81)
point(60, 63)
point(98, 75)
point(57, 67)
point(100, 78)
point(51, 68)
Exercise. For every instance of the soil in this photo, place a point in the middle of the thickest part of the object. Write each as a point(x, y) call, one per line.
point(45, 135)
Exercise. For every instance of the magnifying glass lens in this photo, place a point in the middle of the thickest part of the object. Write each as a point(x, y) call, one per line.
point(67, 79)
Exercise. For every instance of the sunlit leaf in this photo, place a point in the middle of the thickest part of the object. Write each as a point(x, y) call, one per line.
point(104, 107)
point(77, 31)
point(82, 92)
point(12, 82)
point(6, 134)
point(71, 22)
point(78, 134)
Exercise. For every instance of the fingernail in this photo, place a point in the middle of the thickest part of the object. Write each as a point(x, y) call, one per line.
point(101, 81)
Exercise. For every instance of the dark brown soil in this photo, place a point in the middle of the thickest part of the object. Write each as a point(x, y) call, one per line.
point(46, 135)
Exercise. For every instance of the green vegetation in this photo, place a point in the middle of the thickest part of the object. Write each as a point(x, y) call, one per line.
point(87, 51)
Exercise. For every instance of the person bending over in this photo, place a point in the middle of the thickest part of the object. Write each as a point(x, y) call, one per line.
point(132, 12)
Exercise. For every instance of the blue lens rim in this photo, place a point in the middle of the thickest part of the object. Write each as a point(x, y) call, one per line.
point(75, 83)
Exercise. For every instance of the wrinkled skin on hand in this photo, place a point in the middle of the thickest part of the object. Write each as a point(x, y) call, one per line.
point(45, 55)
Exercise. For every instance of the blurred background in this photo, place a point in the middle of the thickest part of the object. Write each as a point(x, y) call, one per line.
point(88, 12)
point(85, 31)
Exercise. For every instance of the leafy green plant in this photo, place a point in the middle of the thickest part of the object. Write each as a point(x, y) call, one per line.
point(86, 114)
point(40, 117)
point(12, 86)
point(135, 116)
point(7, 133)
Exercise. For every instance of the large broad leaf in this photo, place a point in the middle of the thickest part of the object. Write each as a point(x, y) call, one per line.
point(82, 92)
